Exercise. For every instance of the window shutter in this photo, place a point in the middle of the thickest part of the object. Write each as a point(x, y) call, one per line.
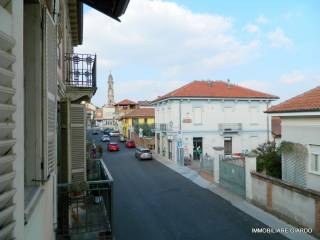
point(78, 142)
point(7, 158)
point(50, 95)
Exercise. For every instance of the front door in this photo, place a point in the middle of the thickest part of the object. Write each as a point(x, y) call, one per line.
point(197, 148)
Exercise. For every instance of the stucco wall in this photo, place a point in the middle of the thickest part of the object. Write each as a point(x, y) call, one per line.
point(250, 114)
point(304, 130)
point(41, 222)
point(289, 201)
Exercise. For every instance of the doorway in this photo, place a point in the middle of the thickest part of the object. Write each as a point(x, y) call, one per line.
point(228, 146)
point(170, 149)
point(197, 148)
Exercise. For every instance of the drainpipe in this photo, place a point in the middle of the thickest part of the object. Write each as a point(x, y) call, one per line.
point(268, 123)
point(180, 115)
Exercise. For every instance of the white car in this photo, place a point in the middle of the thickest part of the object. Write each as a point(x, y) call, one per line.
point(105, 138)
point(114, 134)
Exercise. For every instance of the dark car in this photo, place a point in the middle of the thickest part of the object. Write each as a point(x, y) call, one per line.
point(130, 144)
point(143, 153)
point(95, 132)
point(106, 131)
point(113, 146)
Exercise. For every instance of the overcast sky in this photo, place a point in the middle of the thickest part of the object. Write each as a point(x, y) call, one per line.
point(160, 45)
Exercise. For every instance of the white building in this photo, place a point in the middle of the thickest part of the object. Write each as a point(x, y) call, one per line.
point(204, 114)
point(300, 123)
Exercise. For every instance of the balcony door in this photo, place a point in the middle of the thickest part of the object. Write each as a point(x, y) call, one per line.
point(228, 146)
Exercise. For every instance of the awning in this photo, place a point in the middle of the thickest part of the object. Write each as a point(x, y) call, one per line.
point(112, 8)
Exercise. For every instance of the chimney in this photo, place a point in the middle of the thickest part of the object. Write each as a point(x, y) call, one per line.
point(228, 83)
point(209, 83)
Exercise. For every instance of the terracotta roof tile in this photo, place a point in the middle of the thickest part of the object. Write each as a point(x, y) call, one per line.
point(140, 112)
point(306, 102)
point(215, 89)
point(126, 102)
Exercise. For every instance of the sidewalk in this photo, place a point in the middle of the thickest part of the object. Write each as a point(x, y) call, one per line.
point(238, 202)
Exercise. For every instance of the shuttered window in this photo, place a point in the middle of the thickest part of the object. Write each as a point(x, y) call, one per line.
point(315, 159)
point(197, 115)
point(7, 125)
point(78, 142)
point(50, 94)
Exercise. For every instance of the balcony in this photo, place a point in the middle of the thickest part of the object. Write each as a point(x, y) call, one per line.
point(80, 75)
point(163, 127)
point(229, 128)
point(85, 209)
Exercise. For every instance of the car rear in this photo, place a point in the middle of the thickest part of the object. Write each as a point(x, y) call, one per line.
point(145, 154)
point(113, 147)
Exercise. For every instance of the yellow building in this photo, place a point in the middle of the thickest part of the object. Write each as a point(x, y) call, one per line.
point(137, 117)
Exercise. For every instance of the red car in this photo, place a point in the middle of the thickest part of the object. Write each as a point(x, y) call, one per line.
point(113, 146)
point(130, 144)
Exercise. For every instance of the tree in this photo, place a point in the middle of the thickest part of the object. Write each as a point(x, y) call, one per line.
point(269, 159)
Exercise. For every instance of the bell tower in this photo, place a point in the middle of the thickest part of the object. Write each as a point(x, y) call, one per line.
point(110, 90)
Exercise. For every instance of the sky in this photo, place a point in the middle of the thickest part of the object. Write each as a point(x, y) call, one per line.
point(271, 46)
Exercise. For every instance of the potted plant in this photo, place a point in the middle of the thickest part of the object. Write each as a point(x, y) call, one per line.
point(78, 187)
point(99, 150)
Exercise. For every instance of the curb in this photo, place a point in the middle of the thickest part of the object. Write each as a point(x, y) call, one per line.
point(236, 201)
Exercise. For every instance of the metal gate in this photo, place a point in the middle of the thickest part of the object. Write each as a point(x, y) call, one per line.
point(232, 176)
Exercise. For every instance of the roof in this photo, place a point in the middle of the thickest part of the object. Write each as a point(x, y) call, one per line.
point(215, 89)
point(140, 112)
point(306, 102)
point(276, 126)
point(126, 102)
point(144, 103)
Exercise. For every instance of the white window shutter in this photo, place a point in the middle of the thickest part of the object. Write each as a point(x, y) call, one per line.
point(50, 96)
point(78, 142)
point(7, 125)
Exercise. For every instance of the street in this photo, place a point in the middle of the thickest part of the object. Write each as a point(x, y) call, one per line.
point(153, 202)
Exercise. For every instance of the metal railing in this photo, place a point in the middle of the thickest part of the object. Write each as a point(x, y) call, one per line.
point(89, 209)
point(230, 127)
point(81, 70)
point(163, 127)
point(206, 164)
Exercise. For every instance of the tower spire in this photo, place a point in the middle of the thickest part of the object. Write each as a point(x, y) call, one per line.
point(110, 89)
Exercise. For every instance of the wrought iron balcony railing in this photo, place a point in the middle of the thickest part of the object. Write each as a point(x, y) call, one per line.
point(86, 208)
point(81, 70)
point(230, 127)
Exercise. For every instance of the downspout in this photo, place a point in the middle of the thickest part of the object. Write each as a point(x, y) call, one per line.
point(268, 123)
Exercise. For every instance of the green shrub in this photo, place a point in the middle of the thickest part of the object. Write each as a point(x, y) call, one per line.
point(269, 159)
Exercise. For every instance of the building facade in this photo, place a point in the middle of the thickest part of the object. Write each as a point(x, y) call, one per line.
point(42, 120)
point(300, 124)
point(122, 108)
point(205, 114)
point(136, 119)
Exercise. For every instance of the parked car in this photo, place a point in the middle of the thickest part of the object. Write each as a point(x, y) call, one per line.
point(143, 153)
point(122, 138)
point(114, 134)
point(113, 146)
point(105, 138)
point(95, 132)
point(130, 144)
point(106, 131)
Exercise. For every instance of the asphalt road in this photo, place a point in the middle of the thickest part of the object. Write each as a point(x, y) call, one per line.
point(152, 202)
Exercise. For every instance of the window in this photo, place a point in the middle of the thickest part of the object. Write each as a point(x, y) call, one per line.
point(197, 115)
point(315, 159)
